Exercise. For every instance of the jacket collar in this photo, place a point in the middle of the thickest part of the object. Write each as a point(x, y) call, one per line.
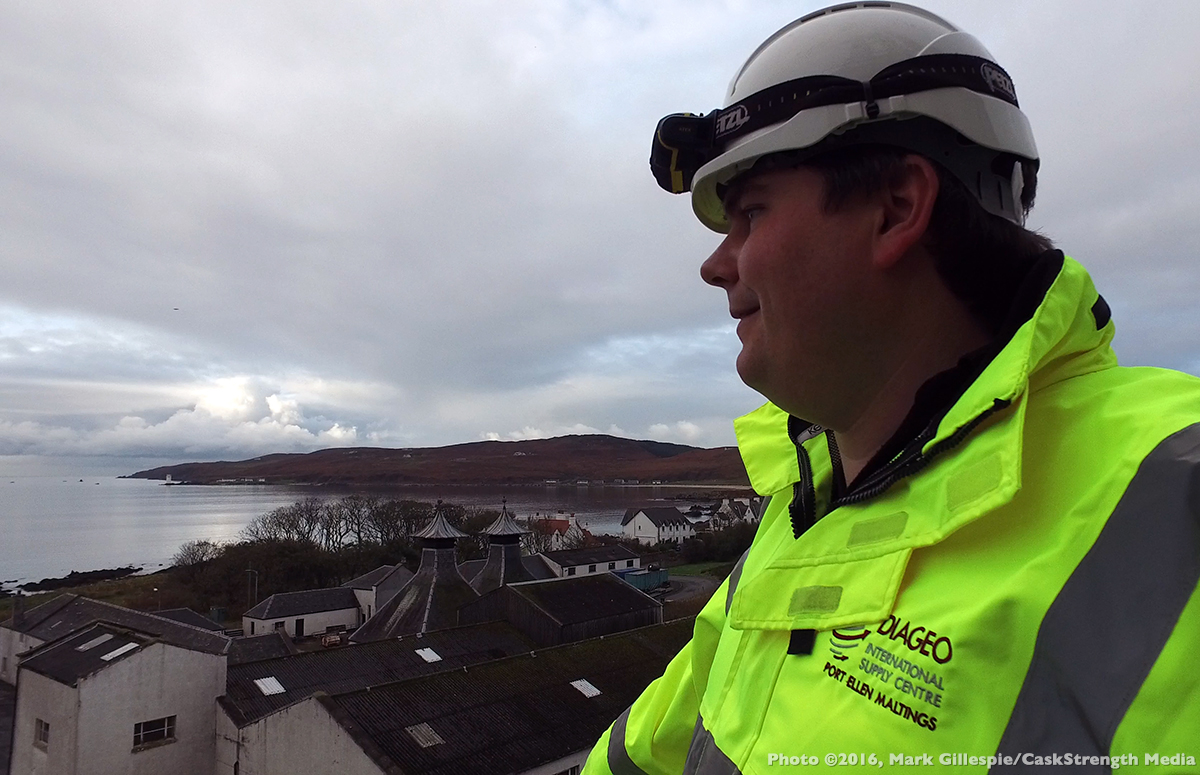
point(847, 570)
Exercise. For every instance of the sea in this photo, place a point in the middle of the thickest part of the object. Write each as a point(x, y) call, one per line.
point(51, 525)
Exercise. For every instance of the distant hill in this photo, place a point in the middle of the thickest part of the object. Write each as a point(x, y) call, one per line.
point(566, 459)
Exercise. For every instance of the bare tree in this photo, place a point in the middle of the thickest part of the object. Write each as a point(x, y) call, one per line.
point(355, 511)
point(332, 528)
point(196, 552)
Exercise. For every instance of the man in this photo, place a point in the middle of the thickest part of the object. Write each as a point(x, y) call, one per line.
point(982, 538)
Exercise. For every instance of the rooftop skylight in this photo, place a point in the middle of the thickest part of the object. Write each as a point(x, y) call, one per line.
point(424, 735)
point(585, 688)
point(269, 685)
point(94, 642)
point(110, 656)
point(429, 655)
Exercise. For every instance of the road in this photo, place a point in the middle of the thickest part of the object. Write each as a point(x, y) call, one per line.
point(691, 587)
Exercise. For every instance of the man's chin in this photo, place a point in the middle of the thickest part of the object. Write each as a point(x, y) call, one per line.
point(751, 371)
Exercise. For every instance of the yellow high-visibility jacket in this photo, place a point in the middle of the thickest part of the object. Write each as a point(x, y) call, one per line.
point(1019, 584)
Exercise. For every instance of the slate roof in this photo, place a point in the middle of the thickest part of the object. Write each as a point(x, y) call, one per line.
point(439, 527)
point(188, 616)
point(254, 648)
point(429, 601)
point(85, 652)
point(370, 578)
point(69, 612)
point(595, 554)
point(575, 599)
point(661, 516)
point(535, 566)
point(505, 525)
point(369, 664)
point(281, 605)
point(509, 715)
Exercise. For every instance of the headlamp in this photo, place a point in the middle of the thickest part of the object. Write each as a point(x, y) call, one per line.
point(685, 142)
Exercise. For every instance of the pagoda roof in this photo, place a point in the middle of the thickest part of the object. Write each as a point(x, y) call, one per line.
point(505, 524)
point(440, 527)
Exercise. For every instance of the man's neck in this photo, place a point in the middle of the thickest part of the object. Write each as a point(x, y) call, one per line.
point(935, 349)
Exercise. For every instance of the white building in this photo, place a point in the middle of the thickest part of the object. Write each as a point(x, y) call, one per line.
point(67, 613)
point(312, 612)
point(655, 524)
point(596, 559)
point(374, 588)
point(107, 699)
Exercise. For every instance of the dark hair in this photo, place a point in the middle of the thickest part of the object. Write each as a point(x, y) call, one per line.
point(981, 257)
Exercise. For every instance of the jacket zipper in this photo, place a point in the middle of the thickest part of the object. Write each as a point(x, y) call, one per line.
point(802, 509)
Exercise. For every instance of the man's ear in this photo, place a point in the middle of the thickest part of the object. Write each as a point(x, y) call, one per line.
point(906, 206)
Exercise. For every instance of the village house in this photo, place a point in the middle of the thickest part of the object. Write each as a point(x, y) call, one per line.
point(312, 612)
point(594, 559)
point(561, 532)
point(652, 525)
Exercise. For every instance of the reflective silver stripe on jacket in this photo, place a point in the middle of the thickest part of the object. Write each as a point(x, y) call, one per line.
point(734, 576)
point(704, 758)
point(618, 758)
point(1110, 621)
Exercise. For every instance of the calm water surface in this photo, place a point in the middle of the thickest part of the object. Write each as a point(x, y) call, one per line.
point(50, 526)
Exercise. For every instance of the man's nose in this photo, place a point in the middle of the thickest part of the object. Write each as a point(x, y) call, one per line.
point(720, 269)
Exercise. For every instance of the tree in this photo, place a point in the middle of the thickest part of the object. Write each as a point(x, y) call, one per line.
point(196, 552)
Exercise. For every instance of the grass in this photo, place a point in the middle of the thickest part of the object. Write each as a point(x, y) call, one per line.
point(132, 592)
point(718, 569)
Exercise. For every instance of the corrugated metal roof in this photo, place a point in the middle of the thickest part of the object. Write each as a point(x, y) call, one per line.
point(359, 666)
point(255, 648)
point(577, 599)
point(281, 605)
point(67, 613)
point(509, 715)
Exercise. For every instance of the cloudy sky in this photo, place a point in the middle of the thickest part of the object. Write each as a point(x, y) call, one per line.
point(235, 228)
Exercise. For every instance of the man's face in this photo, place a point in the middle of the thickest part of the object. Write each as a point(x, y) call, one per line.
point(799, 281)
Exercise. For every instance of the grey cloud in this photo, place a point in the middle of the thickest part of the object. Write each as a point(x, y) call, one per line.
point(428, 222)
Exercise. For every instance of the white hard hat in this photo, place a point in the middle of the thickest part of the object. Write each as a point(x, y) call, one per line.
point(868, 72)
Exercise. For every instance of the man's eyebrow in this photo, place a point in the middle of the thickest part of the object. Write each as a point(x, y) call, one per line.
point(737, 189)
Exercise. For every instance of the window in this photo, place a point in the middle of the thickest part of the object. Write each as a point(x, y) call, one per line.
point(591, 569)
point(629, 563)
point(251, 628)
point(569, 771)
point(279, 625)
point(571, 571)
point(612, 566)
point(153, 731)
point(41, 734)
